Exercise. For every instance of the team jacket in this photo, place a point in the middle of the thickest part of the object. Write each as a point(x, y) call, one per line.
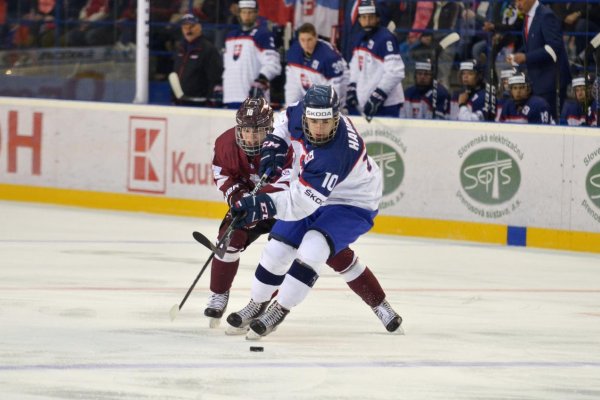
point(324, 67)
point(535, 110)
point(418, 103)
point(376, 63)
point(234, 171)
point(574, 114)
point(199, 66)
point(339, 172)
point(247, 55)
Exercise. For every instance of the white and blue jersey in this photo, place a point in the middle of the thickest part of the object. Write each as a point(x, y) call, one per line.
point(574, 114)
point(376, 63)
point(418, 103)
point(535, 111)
point(325, 66)
point(473, 109)
point(247, 55)
point(335, 188)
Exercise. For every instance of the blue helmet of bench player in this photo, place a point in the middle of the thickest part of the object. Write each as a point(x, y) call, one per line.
point(321, 114)
point(254, 120)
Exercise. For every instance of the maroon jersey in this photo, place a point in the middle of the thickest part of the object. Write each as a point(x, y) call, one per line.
point(235, 173)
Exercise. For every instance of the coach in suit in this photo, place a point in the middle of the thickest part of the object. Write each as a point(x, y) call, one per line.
point(540, 28)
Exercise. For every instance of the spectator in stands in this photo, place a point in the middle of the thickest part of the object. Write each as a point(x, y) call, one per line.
point(93, 29)
point(313, 61)
point(471, 100)
point(578, 17)
point(542, 28)
point(523, 107)
point(38, 25)
point(376, 68)
point(251, 60)
point(420, 98)
point(443, 20)
point(198, 65)
point(582, 110)
point(126, 24)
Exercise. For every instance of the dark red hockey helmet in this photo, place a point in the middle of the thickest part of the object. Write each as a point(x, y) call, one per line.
point(254, 120)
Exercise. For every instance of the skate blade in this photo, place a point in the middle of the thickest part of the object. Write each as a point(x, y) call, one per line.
point(232, 330)
point(214, 323)
point(251, 335)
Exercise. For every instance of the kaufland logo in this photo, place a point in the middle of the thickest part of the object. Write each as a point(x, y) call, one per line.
point(147, 154)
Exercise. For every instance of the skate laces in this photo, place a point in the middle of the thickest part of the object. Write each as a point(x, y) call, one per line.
point(273, 316)
point(385, 312)
point(251, 310)
point(218, 301)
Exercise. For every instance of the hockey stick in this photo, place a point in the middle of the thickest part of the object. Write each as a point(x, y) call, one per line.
point(490, 85)
point(219, 249)
point(550, 51)
point(178, 91)
point(447, 41)
point(595, 42)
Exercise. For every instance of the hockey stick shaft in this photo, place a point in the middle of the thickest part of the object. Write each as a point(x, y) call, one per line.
point(554, 57)
point(221, 247)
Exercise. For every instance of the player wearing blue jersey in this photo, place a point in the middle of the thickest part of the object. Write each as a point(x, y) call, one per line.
point(312, 61)
point(333, 197)
point(376, 68)
point(582, 110)
point(471, 101)
point(503, 90)
point(250, 60)
point(418, 101)
point(523, 107)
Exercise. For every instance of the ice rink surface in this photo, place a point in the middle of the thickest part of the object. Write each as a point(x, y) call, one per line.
point(85, 298)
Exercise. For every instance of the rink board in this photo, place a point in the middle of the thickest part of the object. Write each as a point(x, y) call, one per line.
point(521, 185)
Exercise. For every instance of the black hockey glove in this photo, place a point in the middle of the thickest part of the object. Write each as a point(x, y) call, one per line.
point(375, 101)
point(351, 97)
point(273, 154)
point(259, 86)
point(251, 209)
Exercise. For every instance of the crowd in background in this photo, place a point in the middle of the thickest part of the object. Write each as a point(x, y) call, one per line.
point(490, 32)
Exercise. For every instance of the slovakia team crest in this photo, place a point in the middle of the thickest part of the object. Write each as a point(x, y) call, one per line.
point(305, 82)
point(237, 51)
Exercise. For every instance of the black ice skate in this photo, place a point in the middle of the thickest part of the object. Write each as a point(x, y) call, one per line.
point(217, 304)
point(240, 320)
point(267, 322)
point(390, 318)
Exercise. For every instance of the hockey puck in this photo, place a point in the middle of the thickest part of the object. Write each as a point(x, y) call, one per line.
point(257, 348)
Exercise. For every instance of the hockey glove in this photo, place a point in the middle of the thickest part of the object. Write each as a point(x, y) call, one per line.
point(235, 193)
point(351, 97)
point(251, 209)
point(375, 101)
point(259, 86)
point(273, 154)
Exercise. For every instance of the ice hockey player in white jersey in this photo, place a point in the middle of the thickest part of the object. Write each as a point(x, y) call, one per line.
point(250, 60)
point(376, 68)
point(333, 197)
point(312, 61)
point(523, 107)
